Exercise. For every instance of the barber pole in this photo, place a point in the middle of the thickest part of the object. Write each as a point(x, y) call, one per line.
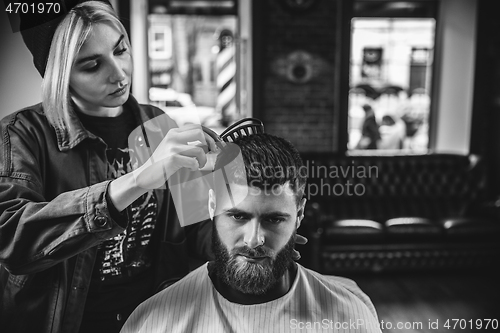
point(226, 83)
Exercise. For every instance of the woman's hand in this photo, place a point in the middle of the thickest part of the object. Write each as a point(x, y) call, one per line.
point(183, 147)
point(299, 239)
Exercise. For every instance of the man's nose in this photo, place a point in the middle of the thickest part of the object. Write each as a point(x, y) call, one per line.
point(254, 234)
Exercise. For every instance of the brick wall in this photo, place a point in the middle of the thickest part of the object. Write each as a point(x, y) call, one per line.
point(304, 113)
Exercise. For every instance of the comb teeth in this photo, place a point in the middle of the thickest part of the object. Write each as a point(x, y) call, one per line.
point(243, 127)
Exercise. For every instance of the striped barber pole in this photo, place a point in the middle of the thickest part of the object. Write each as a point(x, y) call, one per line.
point(226, 83)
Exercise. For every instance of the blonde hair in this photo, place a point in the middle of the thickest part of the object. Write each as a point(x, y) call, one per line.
point(68, 39)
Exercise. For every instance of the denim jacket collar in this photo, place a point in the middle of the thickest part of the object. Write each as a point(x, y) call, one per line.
point(69, 139)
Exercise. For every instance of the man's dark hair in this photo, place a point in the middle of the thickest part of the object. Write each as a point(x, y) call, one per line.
point(268, 161)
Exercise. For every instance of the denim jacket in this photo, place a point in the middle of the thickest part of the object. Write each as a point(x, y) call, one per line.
point(53, 213)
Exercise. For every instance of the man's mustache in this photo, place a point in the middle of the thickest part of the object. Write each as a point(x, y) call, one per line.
point(246, 251)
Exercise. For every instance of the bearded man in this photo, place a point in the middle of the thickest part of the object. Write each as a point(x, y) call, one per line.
point(254, 285)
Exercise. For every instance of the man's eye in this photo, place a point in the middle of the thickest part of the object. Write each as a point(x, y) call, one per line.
point(238, 217)
point(275, 220)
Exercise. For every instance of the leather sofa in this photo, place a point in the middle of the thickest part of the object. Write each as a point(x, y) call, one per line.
point(397, 213)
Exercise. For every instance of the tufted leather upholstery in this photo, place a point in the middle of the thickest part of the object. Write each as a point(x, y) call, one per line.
point(392, 205)
point(431, 186)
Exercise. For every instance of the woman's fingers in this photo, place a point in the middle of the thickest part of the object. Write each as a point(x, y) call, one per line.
point(183, 147)
point(156, 172)
point(296, 255)
point(194, 135)
point(190, 140)
point(299, 239)
point(188, 133)
point(186, 162)
point(193, 152)
point(212, 146)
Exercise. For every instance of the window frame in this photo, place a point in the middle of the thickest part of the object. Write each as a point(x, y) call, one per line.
point(384, 9)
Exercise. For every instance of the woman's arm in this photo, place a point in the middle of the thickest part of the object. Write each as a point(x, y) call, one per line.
point(43, 222)
point(37, 232)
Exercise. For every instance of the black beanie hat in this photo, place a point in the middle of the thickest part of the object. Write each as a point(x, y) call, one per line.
point(38, 29)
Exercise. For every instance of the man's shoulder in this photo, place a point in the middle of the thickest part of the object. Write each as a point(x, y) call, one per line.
point(335, 284)
point(166, 307)
point(341, 289)
point(328, 279)
point(182, 292)
point(189, 284)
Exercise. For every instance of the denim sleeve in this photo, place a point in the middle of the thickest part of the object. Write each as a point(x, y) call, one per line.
point(36, 233)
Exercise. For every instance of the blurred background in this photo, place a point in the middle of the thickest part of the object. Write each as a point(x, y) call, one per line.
point(304, 66)
point(421, 234)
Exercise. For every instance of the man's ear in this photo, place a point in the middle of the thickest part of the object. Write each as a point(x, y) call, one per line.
point(300, 211)
point(211, 204)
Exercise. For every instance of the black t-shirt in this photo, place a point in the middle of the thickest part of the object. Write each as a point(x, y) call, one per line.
point(120, 277)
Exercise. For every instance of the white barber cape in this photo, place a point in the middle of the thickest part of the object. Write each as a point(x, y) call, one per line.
point(315, 303)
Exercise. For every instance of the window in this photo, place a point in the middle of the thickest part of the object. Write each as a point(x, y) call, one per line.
point(160, 41)
point(193, 50)
point(390, 76)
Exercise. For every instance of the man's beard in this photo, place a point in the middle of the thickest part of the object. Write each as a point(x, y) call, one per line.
point(248, 277)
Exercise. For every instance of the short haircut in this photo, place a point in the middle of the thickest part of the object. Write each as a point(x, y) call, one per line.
point(68, 39)
point(269, 161)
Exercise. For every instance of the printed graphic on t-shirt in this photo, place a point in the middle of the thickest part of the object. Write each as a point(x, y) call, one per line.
point(126, 254)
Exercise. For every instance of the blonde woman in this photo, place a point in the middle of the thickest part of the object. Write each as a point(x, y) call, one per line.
point(85, 236)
